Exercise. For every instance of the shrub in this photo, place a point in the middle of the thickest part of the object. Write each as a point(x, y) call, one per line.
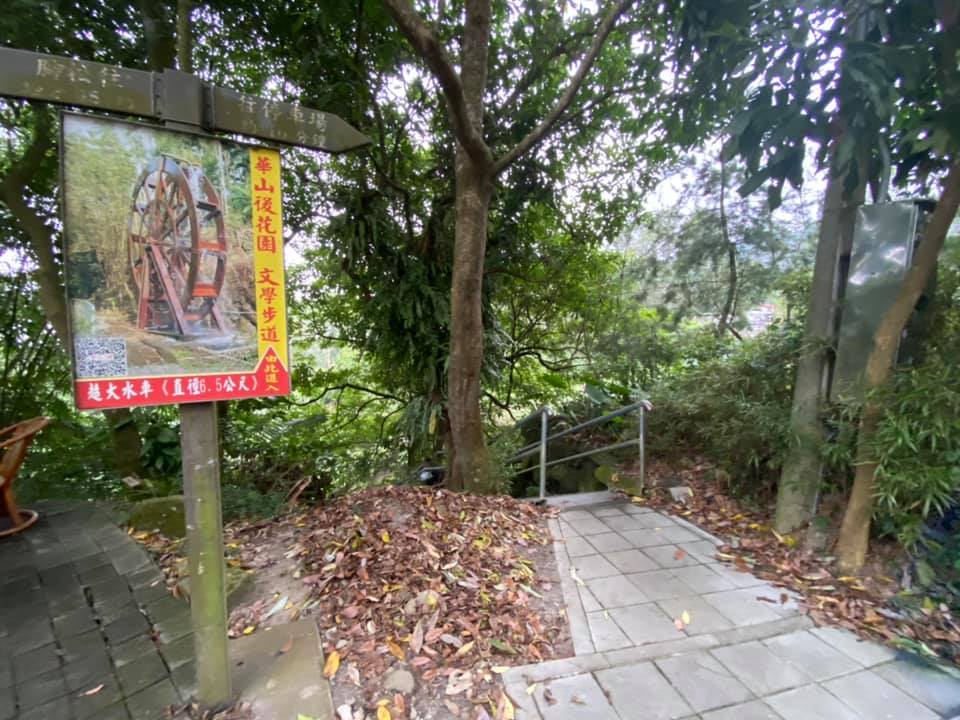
point(734, 409)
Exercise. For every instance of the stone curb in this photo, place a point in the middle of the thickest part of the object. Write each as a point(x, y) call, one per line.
point(564, 667)
point(576, 617)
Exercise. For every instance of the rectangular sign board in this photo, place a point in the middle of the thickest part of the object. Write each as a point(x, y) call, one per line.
point(174, 266)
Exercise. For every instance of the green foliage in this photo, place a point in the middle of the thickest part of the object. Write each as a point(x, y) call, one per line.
point(245, 501)
point(161, 450)
point(918, 447)
point(732, 408)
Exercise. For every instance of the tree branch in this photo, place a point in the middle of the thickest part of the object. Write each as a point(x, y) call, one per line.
point(425, 42)
point(541, 131)
point(347, 386)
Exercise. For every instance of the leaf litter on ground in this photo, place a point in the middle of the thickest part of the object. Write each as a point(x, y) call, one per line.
point(869, 605)
point(449, 586)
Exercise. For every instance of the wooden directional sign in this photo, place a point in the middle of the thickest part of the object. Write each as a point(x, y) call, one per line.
point(166, 95)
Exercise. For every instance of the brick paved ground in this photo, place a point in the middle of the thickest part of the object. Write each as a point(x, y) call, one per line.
point(83, 606)
point(635, 571)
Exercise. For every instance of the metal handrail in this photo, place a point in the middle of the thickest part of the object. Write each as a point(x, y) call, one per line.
point(544, 413)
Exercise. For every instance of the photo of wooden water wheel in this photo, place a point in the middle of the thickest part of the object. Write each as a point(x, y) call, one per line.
point(177, 246)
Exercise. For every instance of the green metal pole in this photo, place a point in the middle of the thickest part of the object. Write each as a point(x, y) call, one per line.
point(199, 442)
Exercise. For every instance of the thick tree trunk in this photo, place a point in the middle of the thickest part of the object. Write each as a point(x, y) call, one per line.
point(855, 531)
point(159, 27)
point(470, 461)
point(800, 477)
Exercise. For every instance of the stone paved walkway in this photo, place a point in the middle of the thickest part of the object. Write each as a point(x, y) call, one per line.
point(629, 573)
point(82, 607)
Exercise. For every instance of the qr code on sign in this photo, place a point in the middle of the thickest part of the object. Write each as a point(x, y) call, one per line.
point(98, 357)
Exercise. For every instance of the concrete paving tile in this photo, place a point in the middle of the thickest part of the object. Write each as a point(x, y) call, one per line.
point(677, 534)
point(29, 637)
point(575, 698)
point(89, 672)
point(813, 656)
point(703, 682)
point(79, 647)
point(780, 600)
point(100, 704)
point(742, 607)
point(753, 710)
point(569, 515)
point(593, 566)
point(6, 672)
point(645, 623)
point(58, 709)
point(608, 512)
point(631, 561)
point(151, 703)
point(132, 649)
point(98, 575)
point(649, 521)
point(702, 579)
point(703, 550)
point(141, 673)
point(125, 627)
point(670, 556)
point(615, 591)
point(738, 578)
point(588, 526)
point(567, 530)
point(605, 633)
point(932, 687)
point(185, 680)
point(179, 652)
point(634, 509)
point(36, 662)
point(41, 689)
point(588, 601)
point(863, 651)
point(658, 701)
point(653, 651)
point(578, 547)
point(74, 622)
point(810, 702)
point(91, 562)
point(703, 618)
point(660, 585)
point(873, 697)
point(167, 606)
point(609, 542)
point(759, 669)
point(116, 607)
point(145, 577)
point(646, 537)
point(8, 703)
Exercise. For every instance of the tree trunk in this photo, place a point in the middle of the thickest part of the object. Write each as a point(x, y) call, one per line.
point(471, 460)
point(184, 36)
point(160, 34)
point(724, 322)
point(855, 530)
point(800, 477)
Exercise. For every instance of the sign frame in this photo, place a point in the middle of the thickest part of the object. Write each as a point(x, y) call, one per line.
point(271, 377)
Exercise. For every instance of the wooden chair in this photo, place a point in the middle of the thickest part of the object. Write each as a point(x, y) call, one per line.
point(12, 518)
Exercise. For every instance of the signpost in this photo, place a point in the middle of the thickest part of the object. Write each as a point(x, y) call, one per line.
point(179, 273)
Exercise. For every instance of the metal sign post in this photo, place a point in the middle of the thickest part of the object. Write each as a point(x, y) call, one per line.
point(184, 102)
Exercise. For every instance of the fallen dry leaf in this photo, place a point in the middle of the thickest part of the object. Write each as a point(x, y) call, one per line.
point(332, 664)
